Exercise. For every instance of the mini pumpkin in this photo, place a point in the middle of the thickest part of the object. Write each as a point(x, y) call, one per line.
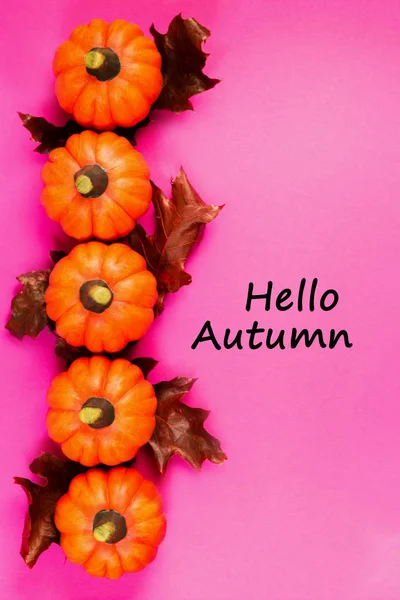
point(107, 74)
point(97, 186)
point(101, 411)
point(101, 296)
point(110, 523)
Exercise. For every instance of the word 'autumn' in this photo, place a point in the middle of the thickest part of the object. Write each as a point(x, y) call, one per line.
point(256, 337)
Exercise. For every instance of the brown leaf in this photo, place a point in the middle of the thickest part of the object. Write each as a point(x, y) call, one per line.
point(57, 255)
point(68, 352)
point(179, 224)
point(145, 364)
point(180, 428)
point(28, 307)
point(183, 61)
point(49, 136)
point(39, 530)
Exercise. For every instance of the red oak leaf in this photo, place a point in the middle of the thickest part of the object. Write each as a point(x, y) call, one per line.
point(27, 307)
point(145, 364)
point(180, 428)
point(179, 225)
point(39, 530)
point(183, 61)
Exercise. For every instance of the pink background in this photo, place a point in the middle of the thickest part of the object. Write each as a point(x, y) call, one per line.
point(302, 143)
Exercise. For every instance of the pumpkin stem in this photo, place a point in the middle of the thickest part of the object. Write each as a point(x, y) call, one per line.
point(102, 63)
point(95, 295)
point(101, 295)
point(97, 412)
point(104, 532)
point(91, 181)
point(90, 415)
point(94, 59)
point(109, 526)
point(84, 184)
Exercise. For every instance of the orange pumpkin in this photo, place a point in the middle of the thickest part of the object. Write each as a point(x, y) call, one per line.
point(97, 186)
point(107, 74)
point(101, 297)
point(101, 411)
point(110, 523)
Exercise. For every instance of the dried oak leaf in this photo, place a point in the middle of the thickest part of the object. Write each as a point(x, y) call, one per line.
point(57, 255)
point(180, 428)
point(183, 61)
point(50, 136)
point(39, 530)
point(179, 224)
point(28, 312)
point(68, 352)
point(145, 364)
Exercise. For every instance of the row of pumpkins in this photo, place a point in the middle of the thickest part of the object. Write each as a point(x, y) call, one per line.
point(101, 296)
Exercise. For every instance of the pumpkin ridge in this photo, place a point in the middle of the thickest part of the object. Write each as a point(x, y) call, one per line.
point(119, 204)
point(108, 254)
point(77, 43)
point(91, 317)
point(68, 69)
point(119, 488)
point(122, 22)
point(116, 301)
point(149, 98)
point(79, 508)
point(135, 494)
point(66, 311)
point(92, 553)
point(119, 560)
point(106, 377)
point(136, 86)
point(108, 495)
point(130, 499)
point(91, 216)
point(78, 96)
point(104, 487)
point(65, 314)
point(81, 451)
point(127, 277)
point(79, 262)
point(142, 542)
point(69, 437)
point(109, 103)
point(122, 398)
point(68, 207)
point(71, 380)
point(114, 218)
point(66, 150)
